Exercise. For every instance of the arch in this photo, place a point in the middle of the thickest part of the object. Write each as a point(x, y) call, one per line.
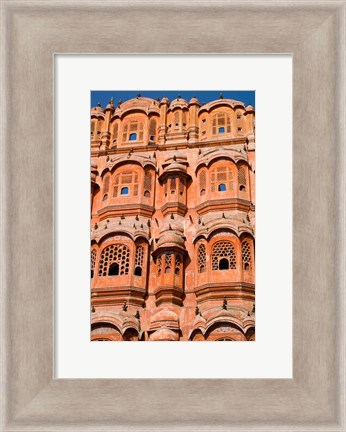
point(224, 264)
point(223, 251)
point(222, 178)
point(139, 260)
point(242, 178)
point(117, 253)
point(113, 269)
point(93, 262)
point(201, 258)
point(246, 255)
point(221, 123)
point(152, 130)
point(126, 182)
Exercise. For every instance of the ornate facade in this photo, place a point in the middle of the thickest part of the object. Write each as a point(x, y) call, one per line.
point(173, 220)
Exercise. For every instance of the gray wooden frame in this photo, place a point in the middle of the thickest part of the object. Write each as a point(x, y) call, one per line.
point(31, 33)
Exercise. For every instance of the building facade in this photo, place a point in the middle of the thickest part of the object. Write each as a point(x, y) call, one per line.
point(173, 220)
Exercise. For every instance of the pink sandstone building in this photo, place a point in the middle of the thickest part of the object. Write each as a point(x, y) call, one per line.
point(173, 220)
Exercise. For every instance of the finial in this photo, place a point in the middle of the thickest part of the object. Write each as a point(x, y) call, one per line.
point(172, 216)
point(221, 96)
point(174, 157)
point(224, 305)
point(119, 102)
point(179, 96)
point(158, 99)
point(125, 307)
point(98, 104)
point(199, 221)
point(120, 222)
point(253, 309)
point(169, 227)
point(148, 222)
point(138, 95)
point(122, 216)
point(96, 226)
point(248, 217)
point(92, 308)
point(197, 311)
point(223, 216)
point(199, 151)
point(248, 313)
point(137, 217)
point(137, 315)
point(141, 225)
point(134, 225)
point(112, 100)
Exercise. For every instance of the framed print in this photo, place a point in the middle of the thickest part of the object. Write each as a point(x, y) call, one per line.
point(33, 32)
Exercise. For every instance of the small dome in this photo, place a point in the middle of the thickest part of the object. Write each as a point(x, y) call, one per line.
point(194, 101)
point(178, 102)
point(250, 108)
point(164, 100)
point(110, 106)
point(98, 108)
point(164, 334)
point(175, 166)
point(165, 315)
point(170, 238)
point(199, 320)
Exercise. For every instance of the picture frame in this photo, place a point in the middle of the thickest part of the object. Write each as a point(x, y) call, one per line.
point(32, 32)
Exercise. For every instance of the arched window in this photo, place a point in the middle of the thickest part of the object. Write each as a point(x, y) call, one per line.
point(202, 181)
point(222, 179)
point(139, 260)
point(93, 261)
point(176, 120)
point(223, 256)
point(115, 132)
point(246, 255)
point(178, 264)
point(168, 262)
point(113, 269)
point(173, 185)
point(242, 179)
point(126, 183)
point(152, 130)
point(201, 258)
point(147, 183)
point(221, 123)
point(159, 265)
point(133, 131)
point(106, 180)
point(115, 260)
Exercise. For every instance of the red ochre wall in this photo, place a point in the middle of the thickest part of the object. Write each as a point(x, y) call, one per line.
point(173, 220)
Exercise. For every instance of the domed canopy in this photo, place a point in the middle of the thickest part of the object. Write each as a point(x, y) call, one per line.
point(164, 334)
point(250, 108)
point(179, 103)
point(170, 238)
point(194, 101)
point(97, 111)
point(164, 100)
point(165, 315)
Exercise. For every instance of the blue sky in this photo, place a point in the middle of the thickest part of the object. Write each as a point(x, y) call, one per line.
point(247, 97)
